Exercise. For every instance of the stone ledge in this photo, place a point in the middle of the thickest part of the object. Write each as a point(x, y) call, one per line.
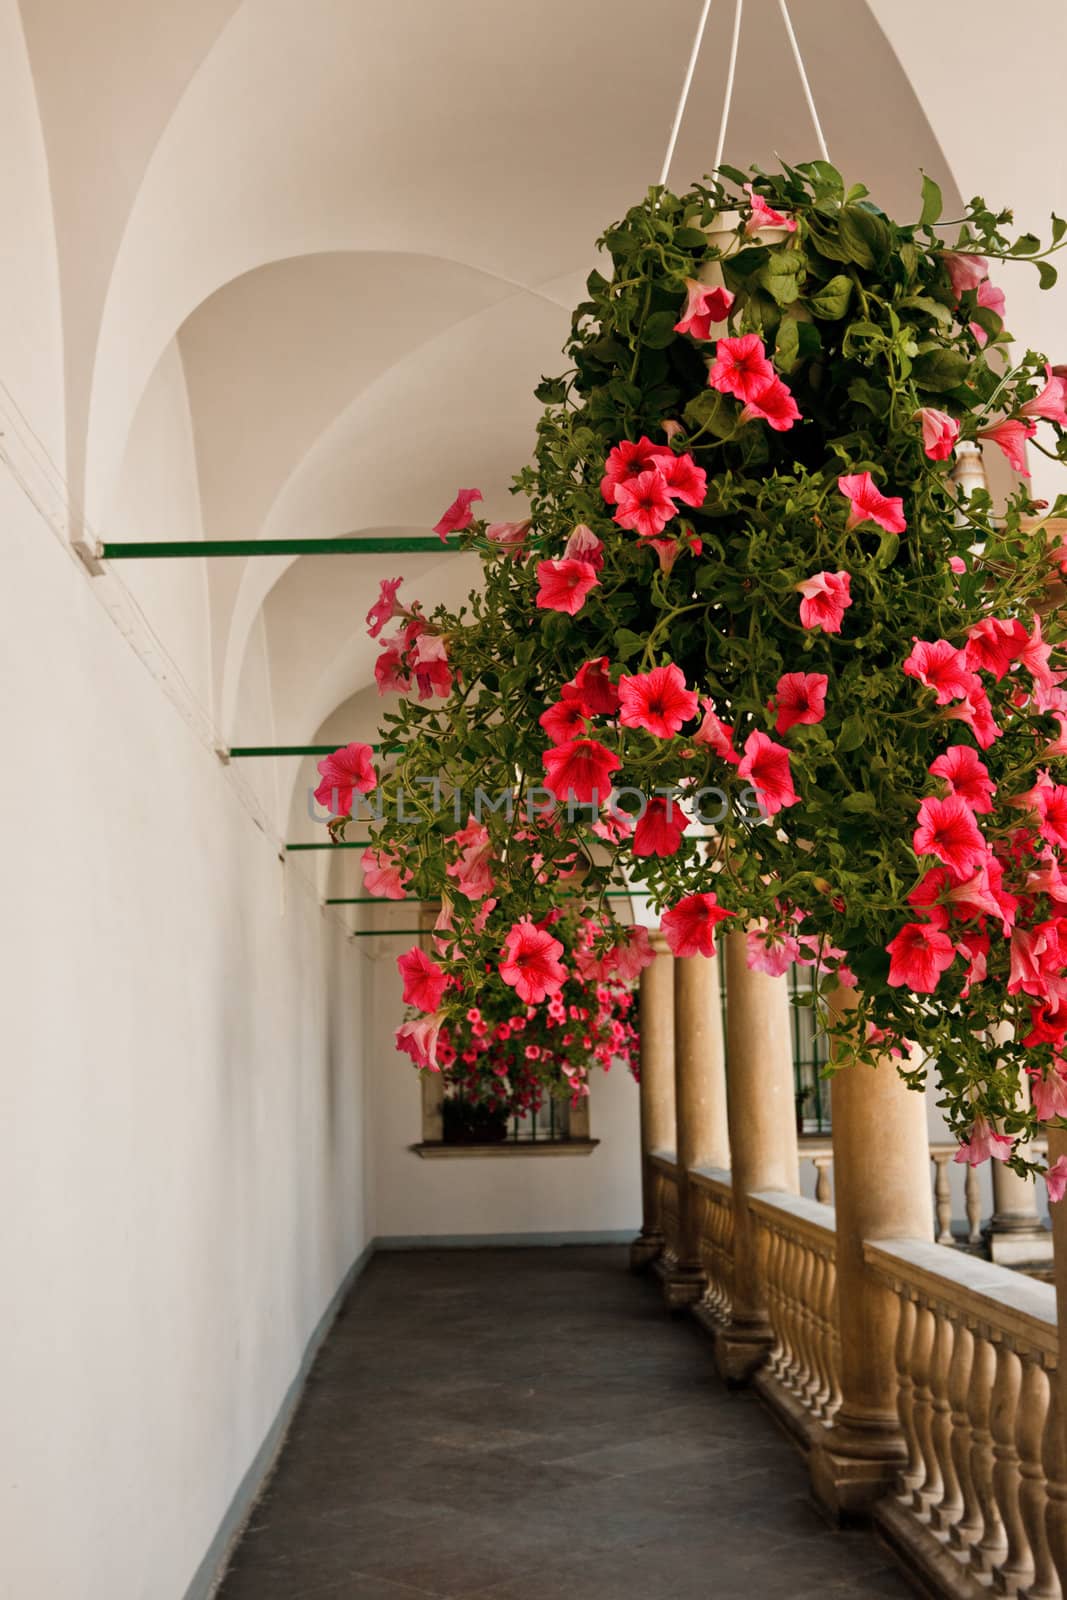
point(506, 1147)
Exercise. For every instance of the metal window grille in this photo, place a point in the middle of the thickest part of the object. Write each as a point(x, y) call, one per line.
point(552, 1121)
point(810, 1055)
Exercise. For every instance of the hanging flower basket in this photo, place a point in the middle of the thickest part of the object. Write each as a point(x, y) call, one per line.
point(799, 677)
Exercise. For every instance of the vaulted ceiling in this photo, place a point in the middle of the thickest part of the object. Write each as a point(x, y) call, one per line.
point(360, 228)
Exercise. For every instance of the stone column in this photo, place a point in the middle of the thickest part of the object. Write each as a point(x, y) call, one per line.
point(1055, 1450)
point(700, 1099)
point(881, 1191)
point(1016, 1232)
point(656, 1020)
point(763, 1141)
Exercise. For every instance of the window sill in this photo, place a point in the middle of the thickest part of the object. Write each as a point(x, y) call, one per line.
point(541, 1147)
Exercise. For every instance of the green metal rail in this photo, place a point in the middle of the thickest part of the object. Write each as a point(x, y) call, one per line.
point(345, 545)
point(328, 844)
point(240, 750)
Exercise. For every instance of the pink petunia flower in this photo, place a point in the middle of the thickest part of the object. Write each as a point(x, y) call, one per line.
point(774, 405)
point(564, 721)
point(992, 299)
point(993, 645)
point(704, 306)
point(383, 874)
point(565, 585)
point(459, 514)
point(799, 698)
point(583, 545)
point(347, 769)
point(1049, 1094)
point(472, 869)
point(627, 461)
point(429, 665)
point(684, 479)
point(940, 432)
point(530, 962)
point(982, 1143)
point(825, 598)
point(657, 701)
point(659, 828)
point(716, 733)
point(510, 536)
point(741, 367)
point(1011, 436)
point(763, 216)
point(580, 769)
point(593, 688)
point(965, 271)
point(947, 829)
point(644, 505)
point(966, 775)
point(384, 608)
point(420, 1039)
point(977, 712)
point(689, 927)
point(869, 504)
point(1056, 1180)
point(918, 955)
point(766, 766)
point(940, 666)
point(424, 981)
point(1051, 403)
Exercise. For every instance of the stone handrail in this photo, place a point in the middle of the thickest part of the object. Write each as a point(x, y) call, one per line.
point(982, 1500)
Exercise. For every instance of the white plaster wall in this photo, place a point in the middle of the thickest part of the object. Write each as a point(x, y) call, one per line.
point(181, 1073)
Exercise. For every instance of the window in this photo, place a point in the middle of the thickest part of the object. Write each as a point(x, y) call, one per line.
point(810, 1054)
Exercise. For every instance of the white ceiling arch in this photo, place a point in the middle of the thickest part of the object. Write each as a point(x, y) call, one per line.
point(360, 222)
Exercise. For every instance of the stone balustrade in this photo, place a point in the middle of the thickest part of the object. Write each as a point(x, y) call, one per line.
point(981, 1503)
point(919, 1379)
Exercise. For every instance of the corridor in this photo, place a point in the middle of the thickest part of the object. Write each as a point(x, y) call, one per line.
point(531, 1425)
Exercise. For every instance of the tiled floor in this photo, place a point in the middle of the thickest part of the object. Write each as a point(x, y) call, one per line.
point(531, 1425)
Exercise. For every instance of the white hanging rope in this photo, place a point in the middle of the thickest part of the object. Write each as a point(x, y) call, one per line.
point(684, 96)
point(809, 97)
point(731, 70)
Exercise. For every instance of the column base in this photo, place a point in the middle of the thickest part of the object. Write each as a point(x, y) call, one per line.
point(741, 1348)
point(1012, 1243)
point(644, 1250)
point(683, 1287)
point(855, 1464)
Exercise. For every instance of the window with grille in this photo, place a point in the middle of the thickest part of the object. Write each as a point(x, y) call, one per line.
point(810, 1055)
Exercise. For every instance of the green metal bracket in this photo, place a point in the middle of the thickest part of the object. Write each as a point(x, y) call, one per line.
point(345, 545)
point(327, 844)
point(385, 933)
point(237, 751)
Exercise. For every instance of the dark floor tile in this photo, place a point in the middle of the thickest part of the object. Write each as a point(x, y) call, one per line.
point(529, 1425)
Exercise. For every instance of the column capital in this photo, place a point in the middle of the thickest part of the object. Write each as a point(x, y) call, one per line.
point(657, 939)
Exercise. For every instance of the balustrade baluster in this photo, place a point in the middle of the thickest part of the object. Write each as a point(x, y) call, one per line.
point(1033, 1497)
point(823, 1188)
point(949, 1503)
point(943, 1197)
point(968, 1525)
point(929, 1490)
point(833, 1341)
point(805, 1363)
point(989, 1548)
point(1016, 1566)
point(1054, 1462)
point(776, 1253)
point(972, 1199)
point(911, 1475)
point(820, 1393)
